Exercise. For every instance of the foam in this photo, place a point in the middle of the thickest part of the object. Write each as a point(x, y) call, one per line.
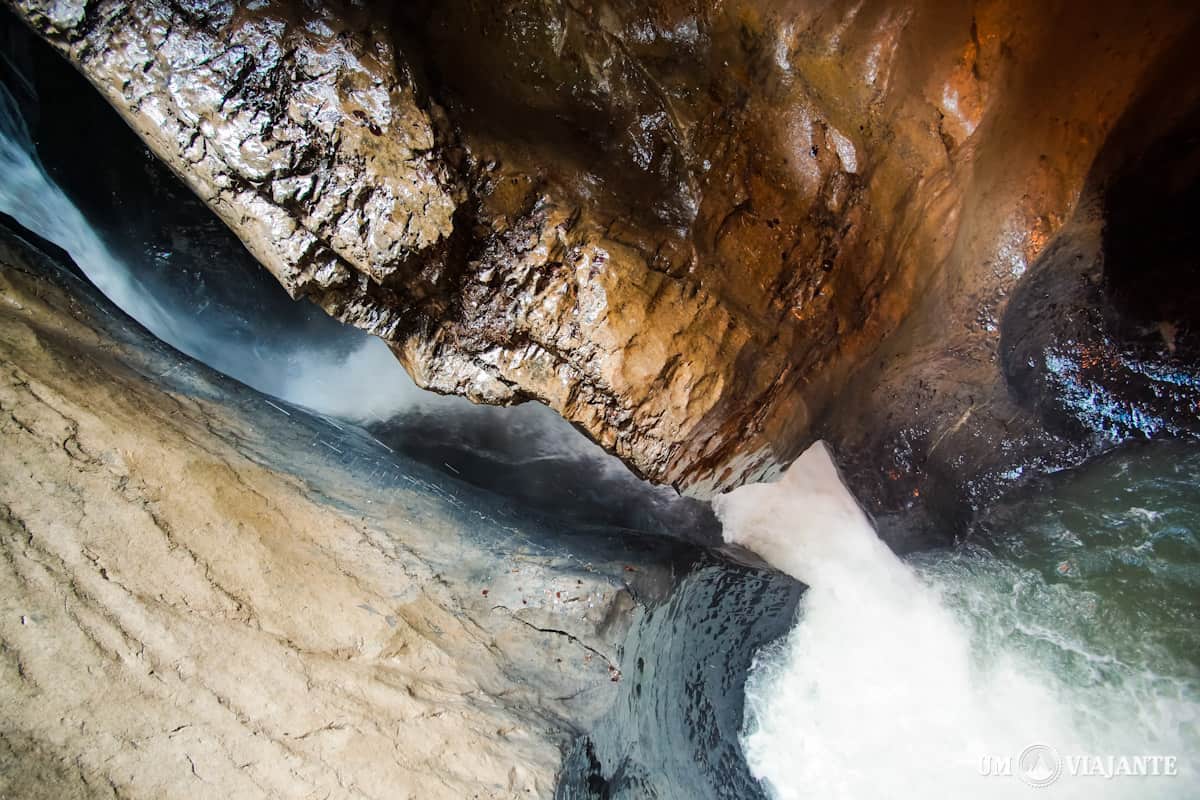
point(882, 689)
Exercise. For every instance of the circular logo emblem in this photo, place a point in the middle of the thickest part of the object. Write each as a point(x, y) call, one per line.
point(1039, 765)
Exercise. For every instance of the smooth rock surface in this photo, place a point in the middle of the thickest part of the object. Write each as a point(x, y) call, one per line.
point(204, 595)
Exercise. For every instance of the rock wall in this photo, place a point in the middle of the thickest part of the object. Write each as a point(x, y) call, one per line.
point(704, 232)
point(1071, 332)
point(202, 595)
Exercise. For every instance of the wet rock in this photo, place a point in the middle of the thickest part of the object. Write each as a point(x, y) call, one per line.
point(704, 233)
point(673, 730)
point(204, 593)
point(1079, 340)
point(298, 128)
point(1102, 340)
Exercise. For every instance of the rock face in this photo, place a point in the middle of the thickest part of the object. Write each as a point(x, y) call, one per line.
point(703, 232)
point(203, 596)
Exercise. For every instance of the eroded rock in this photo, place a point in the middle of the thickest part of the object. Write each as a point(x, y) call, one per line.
point(704, 233)
point(205, 595)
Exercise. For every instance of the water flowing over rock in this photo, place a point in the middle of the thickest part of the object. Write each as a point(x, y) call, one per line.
point(705, 233)
point(207, 594)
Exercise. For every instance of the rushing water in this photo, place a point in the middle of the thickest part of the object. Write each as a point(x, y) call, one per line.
point(1070, 621)
point(1073, 625)
point(331, 369)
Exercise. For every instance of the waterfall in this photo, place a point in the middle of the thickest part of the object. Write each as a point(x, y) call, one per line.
point(914, 679)
point(338, 371)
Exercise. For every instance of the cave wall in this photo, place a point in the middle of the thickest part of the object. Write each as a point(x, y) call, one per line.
point(206, 594)
point(1033, 351)
point(703, 232)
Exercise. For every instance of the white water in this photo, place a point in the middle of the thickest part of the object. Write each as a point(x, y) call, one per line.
point(363, 384)
point(886, 689)
point(356, 377)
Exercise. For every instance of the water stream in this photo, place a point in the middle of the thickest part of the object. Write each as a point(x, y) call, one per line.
point(330, 369)
point(1059, 648)
point(1060, 651)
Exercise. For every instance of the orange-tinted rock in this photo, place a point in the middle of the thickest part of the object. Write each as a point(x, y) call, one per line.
point(704, 232)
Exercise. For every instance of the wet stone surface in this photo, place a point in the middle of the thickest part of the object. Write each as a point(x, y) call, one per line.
point(545, 622)
point(704, 234)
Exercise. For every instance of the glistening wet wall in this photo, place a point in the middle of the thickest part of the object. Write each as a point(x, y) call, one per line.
point(151, 233)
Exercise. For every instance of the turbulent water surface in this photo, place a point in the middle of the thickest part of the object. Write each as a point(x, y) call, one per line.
point(1059, 648)
point(1059, 651)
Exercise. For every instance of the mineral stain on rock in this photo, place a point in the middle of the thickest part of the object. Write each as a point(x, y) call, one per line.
point(703, 233)
point(955, 240)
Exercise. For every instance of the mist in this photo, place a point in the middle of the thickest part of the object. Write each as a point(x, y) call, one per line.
point(157, 253)
point(318, 364)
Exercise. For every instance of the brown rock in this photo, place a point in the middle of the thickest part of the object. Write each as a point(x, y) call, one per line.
point(705, 233)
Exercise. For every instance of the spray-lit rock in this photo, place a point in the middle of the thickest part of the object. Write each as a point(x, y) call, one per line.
point(203, 593)
point(702, 232)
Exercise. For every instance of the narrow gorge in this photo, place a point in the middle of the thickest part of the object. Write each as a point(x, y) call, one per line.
point(599, 400)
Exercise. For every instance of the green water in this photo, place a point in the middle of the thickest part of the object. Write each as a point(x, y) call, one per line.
point(1056, 648)
point(1092, 579)
point(1100, 566)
